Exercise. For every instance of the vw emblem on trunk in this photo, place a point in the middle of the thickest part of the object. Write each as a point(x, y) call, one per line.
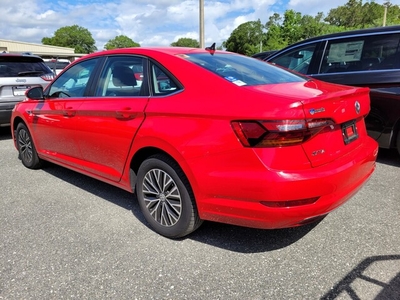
point(357, 106)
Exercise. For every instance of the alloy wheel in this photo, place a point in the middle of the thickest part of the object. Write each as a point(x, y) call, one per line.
point(162, 197)
point(25, 145)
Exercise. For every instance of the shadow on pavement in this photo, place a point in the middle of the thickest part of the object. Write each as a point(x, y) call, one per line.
point(108, 192)
point(5, 133)
point(389, 157)
point(249, 240)
point(230, 237)
point(366, 281)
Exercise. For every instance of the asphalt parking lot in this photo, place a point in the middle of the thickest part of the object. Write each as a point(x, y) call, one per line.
point(67, 236)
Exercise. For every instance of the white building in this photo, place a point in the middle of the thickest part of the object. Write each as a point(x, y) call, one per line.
point(44, 51)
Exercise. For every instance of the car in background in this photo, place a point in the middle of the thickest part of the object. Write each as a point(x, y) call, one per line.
point(365, 58)
point(56, 65)
point(264, 55)
point(206, 135)
point(18, 73)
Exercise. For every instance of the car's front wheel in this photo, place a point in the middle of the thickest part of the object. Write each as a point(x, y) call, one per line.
point(166, 198)
point(26, 148)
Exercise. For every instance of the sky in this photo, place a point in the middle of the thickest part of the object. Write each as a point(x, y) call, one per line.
point(147, 22)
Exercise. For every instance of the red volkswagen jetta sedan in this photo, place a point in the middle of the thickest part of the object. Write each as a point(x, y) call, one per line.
point(202, 135)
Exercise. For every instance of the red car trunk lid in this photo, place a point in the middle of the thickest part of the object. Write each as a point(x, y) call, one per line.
point(346, 132)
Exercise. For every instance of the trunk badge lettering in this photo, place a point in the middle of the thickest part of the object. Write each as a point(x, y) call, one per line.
point(318, 152)
point(357, 106)
point(316, 110)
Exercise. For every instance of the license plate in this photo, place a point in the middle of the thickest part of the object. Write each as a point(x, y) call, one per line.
point(20, 90)
point(349, 131)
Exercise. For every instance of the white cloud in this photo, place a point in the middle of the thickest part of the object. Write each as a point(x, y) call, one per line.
point(148, 22)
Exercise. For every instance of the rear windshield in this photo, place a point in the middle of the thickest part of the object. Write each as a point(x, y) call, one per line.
point(20, 66)
point(242, 70)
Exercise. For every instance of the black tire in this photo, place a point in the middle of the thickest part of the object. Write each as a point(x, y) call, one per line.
point(166, 198)
point(26, 148)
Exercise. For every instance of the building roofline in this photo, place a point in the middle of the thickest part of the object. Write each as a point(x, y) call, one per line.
point(36, 44)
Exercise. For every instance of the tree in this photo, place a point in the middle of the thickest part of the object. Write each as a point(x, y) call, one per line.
point(120, 41)
point(248, 38)
point(274, 39)
point(281, 31)
point(186, 42)
point(291, 28)
point(74, 36)
point(354, 15)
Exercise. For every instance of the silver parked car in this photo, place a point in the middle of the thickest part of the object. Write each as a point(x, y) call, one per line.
point(56, 65)
point(19, 72)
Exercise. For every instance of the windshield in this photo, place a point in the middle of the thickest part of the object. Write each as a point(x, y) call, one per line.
point(242, 70)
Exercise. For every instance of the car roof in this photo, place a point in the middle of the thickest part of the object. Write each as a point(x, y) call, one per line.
point(264, 54)
point(149, 51)
point(387, 29)
point(27, 56)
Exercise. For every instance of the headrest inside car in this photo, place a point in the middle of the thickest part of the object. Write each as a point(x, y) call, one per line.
point(123, 76)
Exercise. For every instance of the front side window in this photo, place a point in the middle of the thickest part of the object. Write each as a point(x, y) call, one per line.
point(242, 70)
point(376, 52)
point(297, 60)
point(73, 82)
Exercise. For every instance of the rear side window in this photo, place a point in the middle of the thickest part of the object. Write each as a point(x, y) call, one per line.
point(162, 82)
point(242, 70)
point(376, 52)
point(122, 76)
point(22, 67)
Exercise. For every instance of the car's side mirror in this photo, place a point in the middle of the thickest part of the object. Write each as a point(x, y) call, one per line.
point(35, 93)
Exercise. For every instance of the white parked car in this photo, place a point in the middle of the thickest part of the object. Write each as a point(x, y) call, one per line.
point(18, 73)
point(56, 65)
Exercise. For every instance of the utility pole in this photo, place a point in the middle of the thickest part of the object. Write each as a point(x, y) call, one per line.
point(386, 5)
point(384, 16)
point(201, 17)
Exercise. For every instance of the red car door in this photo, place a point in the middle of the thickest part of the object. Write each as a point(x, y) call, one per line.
point(54, 120)
point(107, 123)
point(54, 129)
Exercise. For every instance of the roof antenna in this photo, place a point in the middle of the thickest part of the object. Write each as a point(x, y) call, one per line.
point(211, 49)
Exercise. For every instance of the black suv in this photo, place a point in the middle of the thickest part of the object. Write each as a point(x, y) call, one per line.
point(19, 72)
point(367, 57)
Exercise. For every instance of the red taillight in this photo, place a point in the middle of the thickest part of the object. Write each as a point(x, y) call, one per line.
point(278, 133)
point(48, 76)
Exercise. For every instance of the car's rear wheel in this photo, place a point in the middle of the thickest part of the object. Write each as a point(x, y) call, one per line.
point(26, 148)
point(166, 198)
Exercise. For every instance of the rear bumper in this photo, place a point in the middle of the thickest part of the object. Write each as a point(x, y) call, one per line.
point(332, 183)
point(5, 114)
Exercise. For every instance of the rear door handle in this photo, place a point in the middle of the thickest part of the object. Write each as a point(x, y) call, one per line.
point(69, 113)
point(125, 114)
